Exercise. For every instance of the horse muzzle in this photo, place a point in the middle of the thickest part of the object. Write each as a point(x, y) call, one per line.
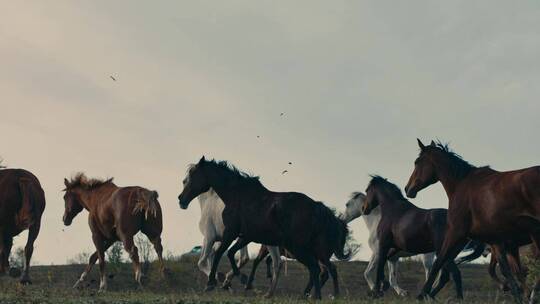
point(67, 221)
point(411, 192)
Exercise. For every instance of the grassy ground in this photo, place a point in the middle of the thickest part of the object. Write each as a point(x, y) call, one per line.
point(184, 284)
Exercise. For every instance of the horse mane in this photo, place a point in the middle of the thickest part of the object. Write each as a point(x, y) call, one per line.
point(458, 165)
point(238, 175)
point(336, 228)
point(379, 181)
point(80, 180)
point(356, 195)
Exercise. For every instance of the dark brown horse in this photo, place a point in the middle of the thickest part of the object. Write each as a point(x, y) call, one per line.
point(307, 229)
point(498, 208)
point(264, 253)
point(22, 202)
point(405, 227)
point(114, 214)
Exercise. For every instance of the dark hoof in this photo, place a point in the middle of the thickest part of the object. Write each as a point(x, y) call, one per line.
point(211, 285)
point(386, 285)
point(221, 277)
point(375, 294)
point(248, 287)
point(243, 278)
point(25, 281)
point(226, 285)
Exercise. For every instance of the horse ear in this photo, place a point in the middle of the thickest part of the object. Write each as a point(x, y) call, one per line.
point(432, 143)
point(420, 144)
point(66, 182)
point(202, 160)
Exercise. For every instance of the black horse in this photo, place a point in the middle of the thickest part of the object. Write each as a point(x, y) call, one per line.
point(405, 227)
point(307, 229)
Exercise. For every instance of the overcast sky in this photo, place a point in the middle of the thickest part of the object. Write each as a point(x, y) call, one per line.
point(358, 81)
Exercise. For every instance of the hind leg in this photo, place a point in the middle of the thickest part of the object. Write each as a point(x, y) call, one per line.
point(155, 238)
point(314, 271)
point(263, 252)
point(33, 232)
point(240, 243)
point(133, 252)
point(331, 268)
point(276, 269)
point(92, 260)
point(393, 277)
point(8, 243)
point(507, 271)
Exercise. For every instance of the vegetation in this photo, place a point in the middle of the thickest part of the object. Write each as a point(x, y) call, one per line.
point(184, 284)
point(16, 259)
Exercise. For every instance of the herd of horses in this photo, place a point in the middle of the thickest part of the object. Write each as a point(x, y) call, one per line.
point(486, 209)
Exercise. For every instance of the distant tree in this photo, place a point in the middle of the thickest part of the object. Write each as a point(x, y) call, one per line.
point(145, 250)
point(1, 166)
point(17, 258)
point(114, 254)
point(351, 245)
point(80, 258)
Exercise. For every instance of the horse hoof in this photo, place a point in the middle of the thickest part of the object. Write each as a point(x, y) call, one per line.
point(248, 287)
point(221, 277)
point(226, 285)
point(403, 293)
point(25, 281)
point(386, 285)
point(243, 278)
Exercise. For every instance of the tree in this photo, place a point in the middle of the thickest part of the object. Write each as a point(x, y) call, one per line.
point(114, 254)
point(145, 250)
point(17, 258)
point(351, 245)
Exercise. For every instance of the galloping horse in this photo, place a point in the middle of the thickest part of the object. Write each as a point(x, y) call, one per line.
point(114, 213)
point(354, 210)
point(405, 227)
point(22, 202)
point(306, 228)
point(498, 208)
point(212, 227)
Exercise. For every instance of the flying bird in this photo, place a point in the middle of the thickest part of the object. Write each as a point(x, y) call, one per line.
point(284, 171)
point(281, 114)
point(290, 163)
point(114, 79)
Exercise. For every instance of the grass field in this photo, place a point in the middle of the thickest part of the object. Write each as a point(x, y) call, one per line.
point(184, 284)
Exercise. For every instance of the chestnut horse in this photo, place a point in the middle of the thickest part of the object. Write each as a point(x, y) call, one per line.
point(114, 214)
point(22, 202)
point(501, 209)
point(405, 227)
point(304, 227)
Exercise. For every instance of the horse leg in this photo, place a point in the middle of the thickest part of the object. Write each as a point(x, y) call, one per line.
point(33, 232)
point(536, 243)
point(244, 259)
point(507, 272)
point(276, 268)
point(427, 262)
point(92, 260)
point(333, 273)
point(239, 244)
point(263, 252)
point(154, 236)
point(515, 266)
point(443, 278)
point(492, 270)
point(314, 271)
point(456, 277)
point(452, 245)
point(393, 275)
point(99, 242)
point(133, 252)
point(8, 243)
point(204, 262)
point(370, 272)
point(268, 262)
point(228, 238)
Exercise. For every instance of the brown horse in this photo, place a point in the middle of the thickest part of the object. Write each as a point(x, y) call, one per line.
point(115, 214)
point(307, 229)
point(498, 208)
point(22, 202)
point(405, 227)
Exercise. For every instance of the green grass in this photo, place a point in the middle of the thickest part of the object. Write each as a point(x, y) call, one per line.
point(184, 284)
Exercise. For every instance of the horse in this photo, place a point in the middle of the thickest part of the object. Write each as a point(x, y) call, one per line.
point(22, 202)
point(501, 209)
point(264, 251)
point(114, 214)
point(353, 210)
point(405, 227)
point(212, 227)
point(306, 228)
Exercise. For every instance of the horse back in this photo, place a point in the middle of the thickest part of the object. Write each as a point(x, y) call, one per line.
point(133, 207)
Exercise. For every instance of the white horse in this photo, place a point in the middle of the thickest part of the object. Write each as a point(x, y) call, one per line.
point(354, 210)
point(212, 227)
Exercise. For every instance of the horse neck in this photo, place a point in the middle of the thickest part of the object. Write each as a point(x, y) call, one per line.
point(389, 203)
point(447, 175)
point(228, 188)
point(91, 198)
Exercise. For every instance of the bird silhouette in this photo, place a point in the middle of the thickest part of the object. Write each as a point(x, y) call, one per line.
point(114, 79)
point(284, 171)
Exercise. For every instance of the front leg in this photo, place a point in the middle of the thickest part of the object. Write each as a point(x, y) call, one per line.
point(240, 243)
point(384, 248)
point(99, 242)
point(229, 235)
point(91, 261)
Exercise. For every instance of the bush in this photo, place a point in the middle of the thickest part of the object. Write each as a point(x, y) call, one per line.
point(80, 258)
point(115, 254)
point(16, 258)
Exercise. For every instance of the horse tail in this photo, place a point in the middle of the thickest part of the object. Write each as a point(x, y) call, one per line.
point(147, 202)
point(342, 233)
point(336, 231)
